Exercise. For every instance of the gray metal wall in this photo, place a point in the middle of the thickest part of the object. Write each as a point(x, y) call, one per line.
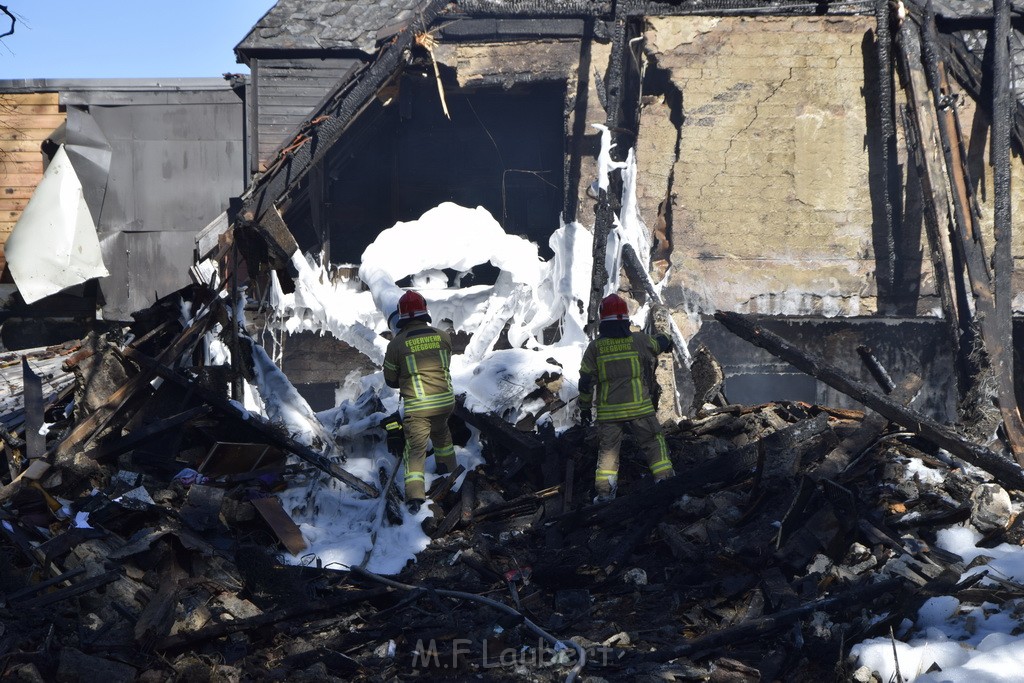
point(175, 160)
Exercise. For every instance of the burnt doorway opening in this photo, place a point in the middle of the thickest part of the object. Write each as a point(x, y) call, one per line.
point(501, 149)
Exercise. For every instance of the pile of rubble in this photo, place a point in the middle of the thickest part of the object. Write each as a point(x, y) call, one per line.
point(142, 538)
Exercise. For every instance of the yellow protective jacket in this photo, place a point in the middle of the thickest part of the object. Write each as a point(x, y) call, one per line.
point(617, 368)
point(417, 363)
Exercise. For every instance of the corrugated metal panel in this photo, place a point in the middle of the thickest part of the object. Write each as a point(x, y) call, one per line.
point(172, 170)
point(144, 266)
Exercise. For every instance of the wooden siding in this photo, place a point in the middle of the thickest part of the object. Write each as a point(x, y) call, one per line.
point(287, 91)
point(26, 119)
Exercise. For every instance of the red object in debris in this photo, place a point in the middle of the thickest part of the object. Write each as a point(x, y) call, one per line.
point(519, 574)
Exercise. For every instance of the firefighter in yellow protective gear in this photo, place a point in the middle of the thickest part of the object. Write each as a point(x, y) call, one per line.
point(615, 367)
point(417, 363)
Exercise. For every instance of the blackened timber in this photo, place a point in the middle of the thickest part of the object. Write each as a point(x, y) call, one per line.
point(878, 372)
point(637, 272)
point(858, 595)
point(1004, 470)
point(573, 158)
point(332, 120)
point(123, 444)
point(283, 441)
point(99, 418)
point(72, 591)
point(923, 132)
point(36, 587)
point(886, 115)
point(35, 441)
point(224, 628)
point(1002, 259)
point(965, 229)
point(614, 84)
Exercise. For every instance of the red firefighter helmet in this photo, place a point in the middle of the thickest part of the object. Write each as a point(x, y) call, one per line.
point(614, 308)
point(411, 305)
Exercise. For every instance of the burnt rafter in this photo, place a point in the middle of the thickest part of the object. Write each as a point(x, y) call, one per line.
point(327, 124)
point(963, 44)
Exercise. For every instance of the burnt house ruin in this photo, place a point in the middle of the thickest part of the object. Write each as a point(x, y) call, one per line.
point(784, 161)
point(825, 189)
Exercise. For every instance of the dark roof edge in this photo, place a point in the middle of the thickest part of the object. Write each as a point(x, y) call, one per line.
point(252, 31)
point(328, 123)
point(277, 53)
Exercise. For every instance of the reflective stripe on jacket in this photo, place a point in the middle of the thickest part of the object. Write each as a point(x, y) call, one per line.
point(616, 367)
point(417, 363)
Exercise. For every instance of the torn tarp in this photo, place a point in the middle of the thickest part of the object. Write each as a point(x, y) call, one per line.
point(54, 244)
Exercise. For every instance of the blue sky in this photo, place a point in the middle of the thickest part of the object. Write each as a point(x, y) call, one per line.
point(125, 38)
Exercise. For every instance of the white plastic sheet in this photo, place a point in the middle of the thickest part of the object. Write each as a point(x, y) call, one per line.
point(54, 244)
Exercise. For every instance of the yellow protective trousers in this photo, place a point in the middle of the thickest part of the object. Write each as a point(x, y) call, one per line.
point(418, 430)
point(647, 432)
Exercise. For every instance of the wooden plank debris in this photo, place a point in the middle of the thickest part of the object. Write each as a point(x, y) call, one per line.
point(286, 530)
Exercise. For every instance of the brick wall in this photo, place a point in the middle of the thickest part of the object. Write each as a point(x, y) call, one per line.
point(771, 211)
point(771, 208)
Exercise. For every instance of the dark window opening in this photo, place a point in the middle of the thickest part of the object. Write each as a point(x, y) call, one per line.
point(502, 149)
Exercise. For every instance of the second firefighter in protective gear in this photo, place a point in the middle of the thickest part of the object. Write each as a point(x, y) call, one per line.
point(614, 379)
point(417, 363)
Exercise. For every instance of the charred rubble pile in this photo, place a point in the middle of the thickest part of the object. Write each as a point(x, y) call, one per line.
point(142, 539)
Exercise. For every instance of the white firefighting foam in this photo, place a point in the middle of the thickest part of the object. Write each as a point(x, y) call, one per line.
point(530, 298)
point(530, 294)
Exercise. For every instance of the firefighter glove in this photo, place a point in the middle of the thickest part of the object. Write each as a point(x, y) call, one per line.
point(395, 435)
point(586, 417)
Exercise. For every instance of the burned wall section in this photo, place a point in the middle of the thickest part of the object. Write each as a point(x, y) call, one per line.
point(772, 212)
point(902, 346)
point(317, 365)
point(578, 66)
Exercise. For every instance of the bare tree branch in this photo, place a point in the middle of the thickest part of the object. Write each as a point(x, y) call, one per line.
point(10, 31)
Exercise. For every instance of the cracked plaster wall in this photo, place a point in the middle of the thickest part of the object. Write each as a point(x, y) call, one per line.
point(771, 212)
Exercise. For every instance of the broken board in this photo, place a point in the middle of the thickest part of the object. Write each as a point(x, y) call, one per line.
point(286, 529)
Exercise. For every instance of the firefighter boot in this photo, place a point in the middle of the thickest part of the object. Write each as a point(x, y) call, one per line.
point(606, 483)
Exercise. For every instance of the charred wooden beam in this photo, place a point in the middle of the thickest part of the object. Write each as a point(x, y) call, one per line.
point(71, 591)
point(223, 628)
point(125, 443)
point(1005, 471)
point(840, 457)
point(95, 421)
point(878, 372)
point(923, 139)
point(257, 423)
point(35, 441)
point(995, 332)
point(606, 204)
point(638, 272)
point(1001, 351)
point(886, 115)
point(331, 120)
